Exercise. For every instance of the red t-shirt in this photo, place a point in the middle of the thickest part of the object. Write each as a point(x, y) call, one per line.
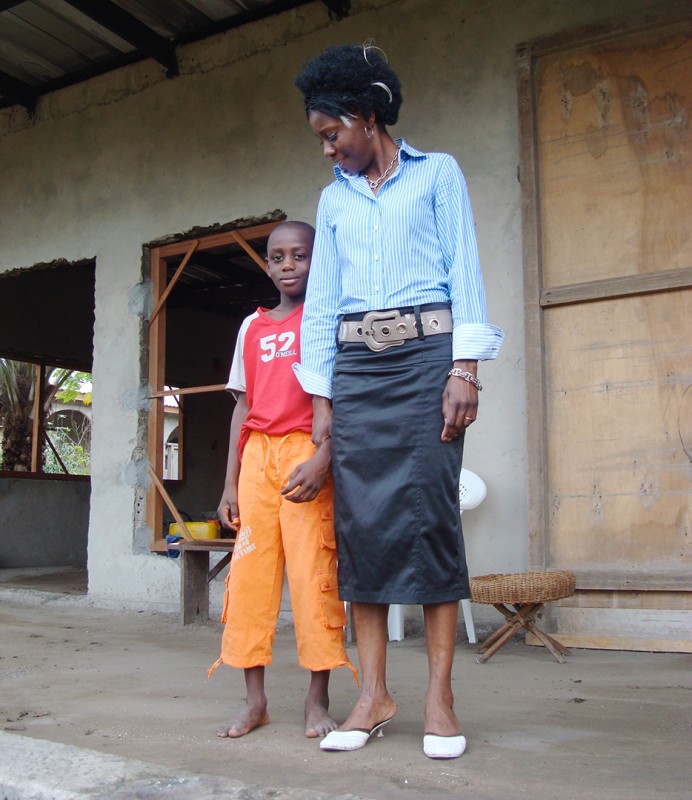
point(265, 352)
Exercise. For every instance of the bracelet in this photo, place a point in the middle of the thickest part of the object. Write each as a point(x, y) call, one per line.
point(467, 376)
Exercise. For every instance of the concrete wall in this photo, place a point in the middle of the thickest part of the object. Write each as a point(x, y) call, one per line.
point(130, 157)
point(44, 523)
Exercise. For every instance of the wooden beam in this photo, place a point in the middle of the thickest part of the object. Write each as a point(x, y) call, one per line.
point(220, 239)
point(169, 288)
point(537, 474)
point(171, 506)
point(627, 580)
point(37, 418)
point(216, 387)
point(129, 28)
point(621, 643)
point(157, 365)
point(254, 255)
point(609, 288)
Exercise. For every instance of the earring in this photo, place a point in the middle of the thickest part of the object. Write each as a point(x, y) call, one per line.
point(368, 132)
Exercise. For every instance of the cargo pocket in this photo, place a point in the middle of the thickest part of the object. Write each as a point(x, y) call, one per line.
point(327, 538)
point(332, 608)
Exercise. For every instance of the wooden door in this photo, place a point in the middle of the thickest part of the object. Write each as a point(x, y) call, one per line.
point(607, 188)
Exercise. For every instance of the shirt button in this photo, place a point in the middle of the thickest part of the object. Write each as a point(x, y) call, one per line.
point(377, 288)
point(377, 258)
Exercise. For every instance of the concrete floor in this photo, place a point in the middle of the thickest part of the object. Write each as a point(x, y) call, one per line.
point(104, 704)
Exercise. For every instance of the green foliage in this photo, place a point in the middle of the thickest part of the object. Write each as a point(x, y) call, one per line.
point(75, 457)
point(19, 385)
point(71, 385)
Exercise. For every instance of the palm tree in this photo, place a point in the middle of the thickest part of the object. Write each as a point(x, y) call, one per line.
point(19, 382)
point(16, 407)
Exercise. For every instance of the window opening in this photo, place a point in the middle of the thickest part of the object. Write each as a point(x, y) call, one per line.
point(45, 419)
point(40, 351)
point(202, 290)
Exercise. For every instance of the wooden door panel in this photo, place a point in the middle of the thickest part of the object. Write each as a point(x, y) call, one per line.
point(620, 433)
point(606, 123)
point(614, 149)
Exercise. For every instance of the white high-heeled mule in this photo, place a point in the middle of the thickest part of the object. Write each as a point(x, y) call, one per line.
point(443, 746)
point(351, 740)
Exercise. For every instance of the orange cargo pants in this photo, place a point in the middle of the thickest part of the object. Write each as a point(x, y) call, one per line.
point(275, 534)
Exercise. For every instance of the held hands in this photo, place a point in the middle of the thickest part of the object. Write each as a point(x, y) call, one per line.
point(306, 480)
point(459, 407)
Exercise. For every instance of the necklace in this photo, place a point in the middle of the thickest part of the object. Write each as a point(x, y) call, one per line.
point(374, 184)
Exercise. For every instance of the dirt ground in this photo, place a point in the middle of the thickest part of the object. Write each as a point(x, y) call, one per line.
point(605, 724)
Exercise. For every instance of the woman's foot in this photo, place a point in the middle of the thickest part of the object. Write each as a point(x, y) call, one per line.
point(351, 740)
point(369, 712)
point(247, 720)
point(318, 722)
point(440, 718)
point(443, 738)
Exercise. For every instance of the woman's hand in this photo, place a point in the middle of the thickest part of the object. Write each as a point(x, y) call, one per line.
point(321, 420)
point(459, 402)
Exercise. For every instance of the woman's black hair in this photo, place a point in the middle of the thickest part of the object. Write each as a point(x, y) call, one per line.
point(351, 79)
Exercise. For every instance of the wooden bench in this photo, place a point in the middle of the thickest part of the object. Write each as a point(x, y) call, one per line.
point(195, 574)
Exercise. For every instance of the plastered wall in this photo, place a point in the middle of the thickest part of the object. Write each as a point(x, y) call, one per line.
point(130, 157)
point(44, 523)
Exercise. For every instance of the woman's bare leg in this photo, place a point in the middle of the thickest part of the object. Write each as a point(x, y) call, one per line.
point(375, 703)
point(254, 714)
point(440, 633)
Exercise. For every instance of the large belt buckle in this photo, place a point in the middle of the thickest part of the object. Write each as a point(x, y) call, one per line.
point(384, 335)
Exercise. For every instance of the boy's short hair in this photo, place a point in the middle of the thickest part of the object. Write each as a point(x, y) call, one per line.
point(304, 226)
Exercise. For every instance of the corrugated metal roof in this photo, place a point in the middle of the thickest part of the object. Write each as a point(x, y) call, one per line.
point(48, 44)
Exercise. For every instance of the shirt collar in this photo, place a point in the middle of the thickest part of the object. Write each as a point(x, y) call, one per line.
point(406, 151)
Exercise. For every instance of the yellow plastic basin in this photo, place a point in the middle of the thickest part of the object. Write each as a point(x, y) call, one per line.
point(199, 530)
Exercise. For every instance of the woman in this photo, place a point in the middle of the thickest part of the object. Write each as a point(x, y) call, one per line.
point(393, 328)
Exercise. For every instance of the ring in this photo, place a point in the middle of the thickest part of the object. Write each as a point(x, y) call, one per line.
point(468, 417)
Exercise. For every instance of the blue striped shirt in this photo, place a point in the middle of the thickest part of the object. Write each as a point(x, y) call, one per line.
point(413, 243)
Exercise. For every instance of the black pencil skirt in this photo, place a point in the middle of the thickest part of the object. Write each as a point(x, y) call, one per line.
point(397, 519)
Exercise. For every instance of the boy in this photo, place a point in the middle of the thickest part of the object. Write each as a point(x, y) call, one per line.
point(280, 501)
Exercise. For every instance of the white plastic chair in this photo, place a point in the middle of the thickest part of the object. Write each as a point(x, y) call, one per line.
point(472, 492)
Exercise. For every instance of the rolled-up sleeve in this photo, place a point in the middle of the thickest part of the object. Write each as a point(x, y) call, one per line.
point(473, 338)
point(320, 315)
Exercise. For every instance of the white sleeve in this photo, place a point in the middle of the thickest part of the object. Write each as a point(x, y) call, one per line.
point(236, 379)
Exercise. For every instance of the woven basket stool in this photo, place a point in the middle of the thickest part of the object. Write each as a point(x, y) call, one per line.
point(519, 597)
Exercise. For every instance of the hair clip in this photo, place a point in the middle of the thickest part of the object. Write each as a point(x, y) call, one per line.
point(369, 44)
point(383, 86)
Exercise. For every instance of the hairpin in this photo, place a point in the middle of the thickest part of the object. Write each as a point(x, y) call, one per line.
point(369, 44)
point(383, 86)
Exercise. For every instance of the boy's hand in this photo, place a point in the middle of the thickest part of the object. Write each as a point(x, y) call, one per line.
point(227, 511)
point(306, 480)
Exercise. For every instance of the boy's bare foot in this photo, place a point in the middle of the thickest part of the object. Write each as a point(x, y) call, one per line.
point(247, 720)
point(317, 720)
